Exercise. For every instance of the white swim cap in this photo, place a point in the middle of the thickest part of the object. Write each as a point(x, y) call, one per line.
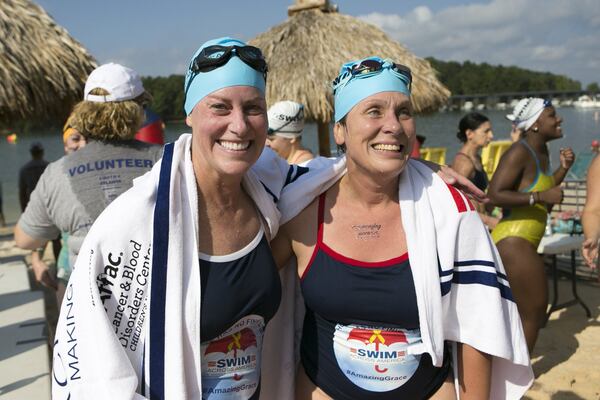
point(527, 111)
point(286, 119)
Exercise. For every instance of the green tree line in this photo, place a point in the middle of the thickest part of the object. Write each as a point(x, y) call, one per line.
point(472, 78)
point(460, 78)
point(167, 96)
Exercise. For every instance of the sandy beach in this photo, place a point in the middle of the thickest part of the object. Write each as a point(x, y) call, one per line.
point(566, 360)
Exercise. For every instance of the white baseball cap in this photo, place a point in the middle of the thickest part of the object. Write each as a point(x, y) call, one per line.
point(286, 119)
point(120, 82)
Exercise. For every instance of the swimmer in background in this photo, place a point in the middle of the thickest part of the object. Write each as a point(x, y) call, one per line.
point(525, 187)
point(286, 123)
point(475, 132)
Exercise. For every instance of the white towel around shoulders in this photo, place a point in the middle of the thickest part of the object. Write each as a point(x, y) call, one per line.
point(129, 326)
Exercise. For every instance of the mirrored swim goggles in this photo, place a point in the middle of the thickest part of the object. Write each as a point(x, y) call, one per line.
point(369, 67)
point(213, 57)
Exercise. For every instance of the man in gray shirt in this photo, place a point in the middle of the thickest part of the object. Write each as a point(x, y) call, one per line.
point(74, 190)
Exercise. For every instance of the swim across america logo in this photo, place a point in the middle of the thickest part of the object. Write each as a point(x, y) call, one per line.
point(375, 359)
point(231, 361)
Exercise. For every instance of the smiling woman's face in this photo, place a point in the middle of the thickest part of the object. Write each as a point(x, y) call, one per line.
point(229, 129)
point(378, 133)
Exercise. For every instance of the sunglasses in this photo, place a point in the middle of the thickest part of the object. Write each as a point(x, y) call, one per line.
point(213, 57)
point(371, 67)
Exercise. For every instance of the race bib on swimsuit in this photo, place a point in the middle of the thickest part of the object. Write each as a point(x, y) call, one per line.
point(375, 359)
point(231, 362)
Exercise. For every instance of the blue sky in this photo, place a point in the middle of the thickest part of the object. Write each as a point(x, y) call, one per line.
point(157, 38)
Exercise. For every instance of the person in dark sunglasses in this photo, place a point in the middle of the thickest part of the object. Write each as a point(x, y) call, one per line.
point(397, 271)
point(286, 123)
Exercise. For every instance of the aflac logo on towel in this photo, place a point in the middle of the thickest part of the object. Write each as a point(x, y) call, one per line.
point(231, 362)
point(375, 359)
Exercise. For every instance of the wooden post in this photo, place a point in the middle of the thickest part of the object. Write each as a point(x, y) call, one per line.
point(302, 5)
point(324, 146)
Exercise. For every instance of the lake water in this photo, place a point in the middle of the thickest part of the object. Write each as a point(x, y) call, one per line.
point(580, 127)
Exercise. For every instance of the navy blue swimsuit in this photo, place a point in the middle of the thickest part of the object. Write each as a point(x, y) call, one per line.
point(240, 293)
point(361, 318)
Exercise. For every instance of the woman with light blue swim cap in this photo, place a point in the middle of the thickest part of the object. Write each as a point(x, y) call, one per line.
point(182, 274)
point(226, 109)
point(368, 308)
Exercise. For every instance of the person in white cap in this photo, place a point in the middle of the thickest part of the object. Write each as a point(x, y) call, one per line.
point(286, 122)
point(75, 189)
point(526, 188)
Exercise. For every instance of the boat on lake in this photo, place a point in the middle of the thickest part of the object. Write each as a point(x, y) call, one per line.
point(586, 101)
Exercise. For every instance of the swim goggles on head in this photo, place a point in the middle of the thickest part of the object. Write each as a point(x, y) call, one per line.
point(370, 67)
point(213, 57)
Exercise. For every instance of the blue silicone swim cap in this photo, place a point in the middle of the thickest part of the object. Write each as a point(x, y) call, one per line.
point(234, 73)
point(349, 88)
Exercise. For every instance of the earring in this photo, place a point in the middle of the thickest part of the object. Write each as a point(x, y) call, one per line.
point(535, 128)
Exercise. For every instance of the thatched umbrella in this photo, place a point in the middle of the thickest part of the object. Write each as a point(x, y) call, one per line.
point(305, 53)
point(42, 68)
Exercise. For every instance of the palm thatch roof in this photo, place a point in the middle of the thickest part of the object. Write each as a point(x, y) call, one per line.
point(42, 68)
point(305, 53)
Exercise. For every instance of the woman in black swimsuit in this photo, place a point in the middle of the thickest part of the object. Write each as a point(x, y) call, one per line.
point(475, 132)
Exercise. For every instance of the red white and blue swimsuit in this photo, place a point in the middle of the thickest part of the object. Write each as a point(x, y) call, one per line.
point(361, 318)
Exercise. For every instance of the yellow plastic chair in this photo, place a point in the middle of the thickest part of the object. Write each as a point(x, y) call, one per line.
point(490, 155)
point(434, 154)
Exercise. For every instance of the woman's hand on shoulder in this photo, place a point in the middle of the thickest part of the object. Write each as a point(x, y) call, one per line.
point(451, 177)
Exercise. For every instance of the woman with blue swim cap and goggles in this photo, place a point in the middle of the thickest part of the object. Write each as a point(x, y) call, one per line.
point(373, 328)
point(183, 264)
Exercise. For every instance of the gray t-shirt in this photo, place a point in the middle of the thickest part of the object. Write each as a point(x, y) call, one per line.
point(74, 190)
